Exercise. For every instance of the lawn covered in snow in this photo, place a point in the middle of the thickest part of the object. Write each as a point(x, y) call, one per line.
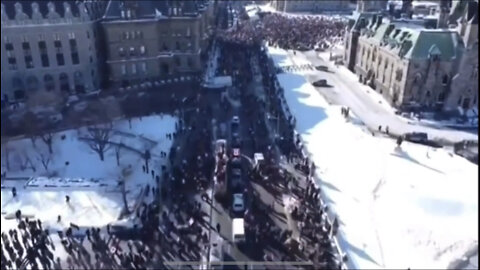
point(412, 206)
point(77, 171)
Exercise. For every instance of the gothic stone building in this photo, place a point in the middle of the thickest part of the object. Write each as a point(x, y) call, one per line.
point(151, 40)
point(49, 46)
point(311, 6)
point(412, 65)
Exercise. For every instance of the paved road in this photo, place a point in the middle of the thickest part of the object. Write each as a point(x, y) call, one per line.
point(349, 92)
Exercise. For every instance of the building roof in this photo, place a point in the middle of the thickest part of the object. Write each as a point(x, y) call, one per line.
point(413, 41)
point(446, 43)
point(93, 7)
point(43, 7)
point(150, 9)
point(355, 22)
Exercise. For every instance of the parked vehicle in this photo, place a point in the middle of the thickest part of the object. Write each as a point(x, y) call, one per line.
point(320, 83)
point(321, 68)
point(416, 137)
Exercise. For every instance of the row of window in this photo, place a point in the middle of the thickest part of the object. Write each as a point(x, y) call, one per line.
point(142, 66)
point(142, 50)
point(42, 46)
point(32, 84)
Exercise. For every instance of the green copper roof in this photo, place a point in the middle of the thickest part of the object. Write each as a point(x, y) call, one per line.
point(444, 42)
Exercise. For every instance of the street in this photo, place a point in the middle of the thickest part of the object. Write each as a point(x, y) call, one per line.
point(347, 91)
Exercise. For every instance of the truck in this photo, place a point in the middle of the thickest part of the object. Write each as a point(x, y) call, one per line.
point(238, 230)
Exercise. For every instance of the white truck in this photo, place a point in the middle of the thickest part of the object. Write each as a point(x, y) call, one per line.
point(238, 230)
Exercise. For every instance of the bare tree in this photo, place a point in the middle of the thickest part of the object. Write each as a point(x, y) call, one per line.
point(31, 126)
point(98, 139)
point(47, 138)
point(26, 163)
point(118, 147)
point(45, 159)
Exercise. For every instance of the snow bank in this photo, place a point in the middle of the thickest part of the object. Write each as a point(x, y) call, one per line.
point(410, 207)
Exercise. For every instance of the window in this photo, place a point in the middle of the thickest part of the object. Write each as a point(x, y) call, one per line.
point(57, 43)
point(132, 51)
point(142, 50)
point(124, 69)
point(12, 63)
point(73, 45)
point(190, 62)
point(121, 52)
point(144, 67)
point(177, 61)
point(398, 75)
point(445, 79)
point(75, 58)
point(26, 46)
point(134, 68)
point(45, 60)
point(28, 61)
point(91, 59)
point(88, 34)
point(60, 59)
point(177, 46)
point(42, 45)
point(9, 46)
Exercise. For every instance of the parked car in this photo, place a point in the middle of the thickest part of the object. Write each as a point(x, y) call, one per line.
point(416, 137)
point(320, 83)
point(322, 68)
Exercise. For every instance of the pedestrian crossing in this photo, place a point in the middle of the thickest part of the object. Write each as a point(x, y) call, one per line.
point(293, 68)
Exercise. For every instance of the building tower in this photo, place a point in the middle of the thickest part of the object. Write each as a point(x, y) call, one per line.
point(371, 5)
point(443, 15)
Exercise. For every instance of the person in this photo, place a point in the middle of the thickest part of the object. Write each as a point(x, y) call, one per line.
point(218, 227)
point(67, 198)
point(14, 192)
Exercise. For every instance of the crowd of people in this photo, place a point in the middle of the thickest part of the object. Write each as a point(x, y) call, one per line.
point(175, 232)
point(288, 32)
point(176, 229)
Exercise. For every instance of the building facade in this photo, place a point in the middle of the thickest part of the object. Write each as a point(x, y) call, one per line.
point(410, 65)
point(371, 6)
point(311, 6)
point(49, 47)
point(464, 19)
point(156, 39)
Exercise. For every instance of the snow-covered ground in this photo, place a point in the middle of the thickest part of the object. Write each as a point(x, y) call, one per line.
point(370, 106)
point(91, 184)
point(412, 206)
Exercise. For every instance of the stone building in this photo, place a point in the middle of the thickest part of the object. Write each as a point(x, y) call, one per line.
point(150, 40)
point(464, 19)
point(371, 5)
point(49, 46)
point(413, 66)
point(311, 6)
